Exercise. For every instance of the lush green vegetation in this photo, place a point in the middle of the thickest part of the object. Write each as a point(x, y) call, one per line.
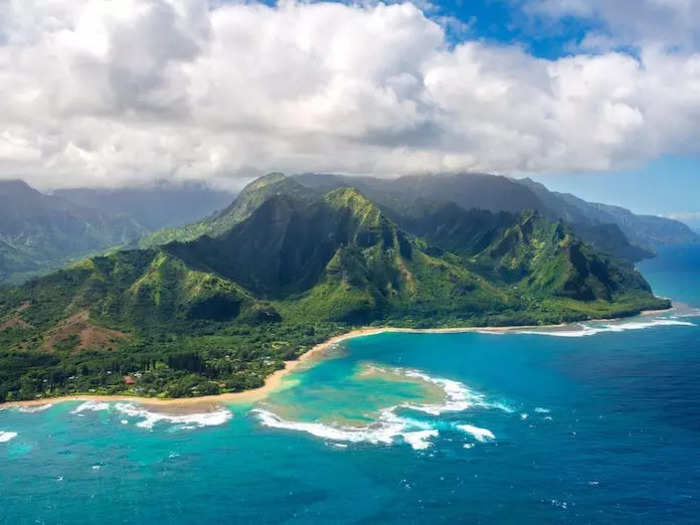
point(188, 360)
point(285, 268)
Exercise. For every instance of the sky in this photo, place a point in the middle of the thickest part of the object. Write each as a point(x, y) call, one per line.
point(594, 97)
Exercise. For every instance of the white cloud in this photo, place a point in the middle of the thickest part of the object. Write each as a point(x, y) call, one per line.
point(689, 216)
point(100, 92)
point(636, 23)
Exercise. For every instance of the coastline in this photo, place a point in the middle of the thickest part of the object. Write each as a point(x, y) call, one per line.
point(274, 381)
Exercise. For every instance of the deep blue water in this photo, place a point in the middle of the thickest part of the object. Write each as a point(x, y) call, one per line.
point(597, 429)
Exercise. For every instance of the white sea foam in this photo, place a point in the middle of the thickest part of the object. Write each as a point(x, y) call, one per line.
point(34, 409)
point(419, 439)
point(7, 436)
point(92, 406)
point(480, 434)
point(501, 406)
point(188, 421)
point(384, 430)
point(457, 396)
point(389, 425)
point(541, 410)
point(585, 329)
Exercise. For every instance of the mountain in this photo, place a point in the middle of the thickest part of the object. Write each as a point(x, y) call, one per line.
point(42, 232)
point(283, 268)
point(246, 202)
point(642, 230)
point(624, 235)
point(472, 190)
point(161, 205)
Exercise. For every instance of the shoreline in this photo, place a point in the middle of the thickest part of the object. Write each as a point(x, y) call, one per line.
point(274, 381)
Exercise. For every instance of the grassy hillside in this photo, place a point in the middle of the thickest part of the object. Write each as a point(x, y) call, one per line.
point(223, 310)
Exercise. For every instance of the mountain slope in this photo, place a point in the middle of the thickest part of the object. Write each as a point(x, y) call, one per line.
point(153, 207)
point(607, 231)
point(41, 232)
point(469, 190)
point(242, 206)
point(643, 230)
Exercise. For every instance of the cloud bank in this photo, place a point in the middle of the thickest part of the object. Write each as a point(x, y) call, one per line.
point(98, 93)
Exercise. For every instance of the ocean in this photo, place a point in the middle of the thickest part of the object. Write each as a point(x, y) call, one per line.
point(597, 423)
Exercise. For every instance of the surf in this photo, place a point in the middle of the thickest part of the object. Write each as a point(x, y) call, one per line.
point(393, 424)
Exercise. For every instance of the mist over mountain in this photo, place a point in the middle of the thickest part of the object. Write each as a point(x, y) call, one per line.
point(40, 232)
point(161, 205)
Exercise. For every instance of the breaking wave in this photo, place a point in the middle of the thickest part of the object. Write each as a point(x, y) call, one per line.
point(384, 430)
point(34, 409)
point(187, 421)
point(389, 426)
point(7, 436)
point(480, 434)
point(91, 406)
point(149, 418)
point(585, 330)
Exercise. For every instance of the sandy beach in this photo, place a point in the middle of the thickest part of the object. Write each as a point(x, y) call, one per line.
point(274, 381)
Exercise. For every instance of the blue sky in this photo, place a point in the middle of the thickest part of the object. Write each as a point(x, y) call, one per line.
point(667, 186)
point(504, 22)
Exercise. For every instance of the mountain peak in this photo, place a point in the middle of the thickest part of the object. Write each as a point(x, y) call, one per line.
point(352, 200)
point(348, 196)
point(265, 180)
point(11, 187)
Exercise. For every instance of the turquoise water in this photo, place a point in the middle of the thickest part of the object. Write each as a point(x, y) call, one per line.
point(401, 428)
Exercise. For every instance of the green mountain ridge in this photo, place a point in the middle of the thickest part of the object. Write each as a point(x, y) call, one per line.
point(285, 267)
point(613, 230)
point(243, 205)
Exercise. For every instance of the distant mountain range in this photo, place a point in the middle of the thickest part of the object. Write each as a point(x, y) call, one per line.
point(40, 232)
point(611, 229)
point(286, 264)
point(154, 207)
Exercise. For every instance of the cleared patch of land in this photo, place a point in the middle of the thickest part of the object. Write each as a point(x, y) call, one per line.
point(80, 333)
